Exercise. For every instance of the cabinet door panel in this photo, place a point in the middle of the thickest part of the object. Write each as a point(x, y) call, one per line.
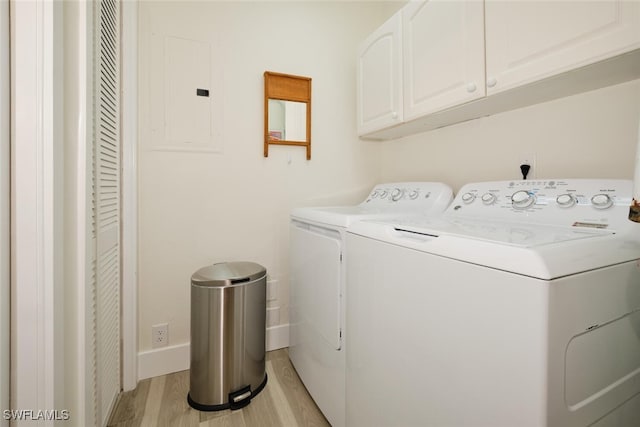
point(443, 55)
point(380, 78)
point(529, 40)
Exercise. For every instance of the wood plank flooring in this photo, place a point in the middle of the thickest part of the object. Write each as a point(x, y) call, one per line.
point(162, 401)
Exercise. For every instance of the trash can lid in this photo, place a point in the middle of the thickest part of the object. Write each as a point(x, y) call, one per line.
point(228, 274)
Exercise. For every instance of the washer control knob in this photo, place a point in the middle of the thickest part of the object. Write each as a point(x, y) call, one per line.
point(414, 194)
point(397, 194)
point(601, 201)
point(566, 200)
point(383, 194)
point(522, 199)
point(468, 197)
point(489, 198)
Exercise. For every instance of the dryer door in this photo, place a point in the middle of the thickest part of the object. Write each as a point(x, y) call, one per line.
point(315, 283)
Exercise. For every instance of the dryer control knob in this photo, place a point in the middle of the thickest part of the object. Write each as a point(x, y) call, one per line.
point(397, 194)
point(489, 198)
point(468, 197)
point(414, 194)
point(522, 199)
point(383, 194)
point(601, 201)
point(566, 200)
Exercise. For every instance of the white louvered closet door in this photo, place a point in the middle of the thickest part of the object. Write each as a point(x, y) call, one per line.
point(106, 202)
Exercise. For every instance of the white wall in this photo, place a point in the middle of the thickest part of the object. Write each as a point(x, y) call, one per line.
point(590, 135)
point(201, 207)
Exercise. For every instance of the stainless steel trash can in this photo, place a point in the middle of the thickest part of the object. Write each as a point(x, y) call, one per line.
point(228, 314)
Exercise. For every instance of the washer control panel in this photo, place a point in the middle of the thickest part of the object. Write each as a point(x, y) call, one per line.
point(586, 202)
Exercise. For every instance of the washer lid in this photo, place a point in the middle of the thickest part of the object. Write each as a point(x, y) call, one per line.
point(544, 252)
point(228, 274)
point(512, 234)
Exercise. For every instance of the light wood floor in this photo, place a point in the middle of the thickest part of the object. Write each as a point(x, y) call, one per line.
point(162, 401)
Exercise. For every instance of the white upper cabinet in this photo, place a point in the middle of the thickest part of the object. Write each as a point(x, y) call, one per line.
point(443, 56)
point(528, 40)
point(380, 78)
point(464, 59)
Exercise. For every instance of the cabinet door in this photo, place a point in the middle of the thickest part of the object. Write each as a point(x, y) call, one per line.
point(443, 55)
point(380, 78)
point(528, 40)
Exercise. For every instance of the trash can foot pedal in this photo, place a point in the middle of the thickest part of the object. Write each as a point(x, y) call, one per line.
point(237, 400)
point(240, 399)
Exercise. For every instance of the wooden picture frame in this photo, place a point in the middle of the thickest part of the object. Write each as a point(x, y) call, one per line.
point(293, 96)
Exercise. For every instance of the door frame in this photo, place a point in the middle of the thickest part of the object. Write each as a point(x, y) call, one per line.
point(37, 306)
point(129, 126)
point(5, 208)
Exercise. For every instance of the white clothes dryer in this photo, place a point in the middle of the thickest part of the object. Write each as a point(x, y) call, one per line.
point(519, 306)
point(317, 285)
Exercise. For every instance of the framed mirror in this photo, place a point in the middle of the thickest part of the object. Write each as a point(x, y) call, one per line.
point(287, 111)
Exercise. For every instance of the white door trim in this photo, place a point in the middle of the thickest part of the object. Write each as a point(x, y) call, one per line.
point(129, 195)
point(37, 306)
point(5, 141)
point(80, 343)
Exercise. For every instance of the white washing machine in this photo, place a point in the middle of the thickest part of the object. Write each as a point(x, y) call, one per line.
point(317, 285)
point(519, 306)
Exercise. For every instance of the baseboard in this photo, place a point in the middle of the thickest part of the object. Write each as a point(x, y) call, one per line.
point(162, 361)
point(277, 337)
point(166, 360)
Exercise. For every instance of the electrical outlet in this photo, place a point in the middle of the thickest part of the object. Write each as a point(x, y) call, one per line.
point(160, 335)
point(527, 159)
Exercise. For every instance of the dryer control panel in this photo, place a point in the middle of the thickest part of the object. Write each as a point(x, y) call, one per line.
point(589, 203)
point(409, 195)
